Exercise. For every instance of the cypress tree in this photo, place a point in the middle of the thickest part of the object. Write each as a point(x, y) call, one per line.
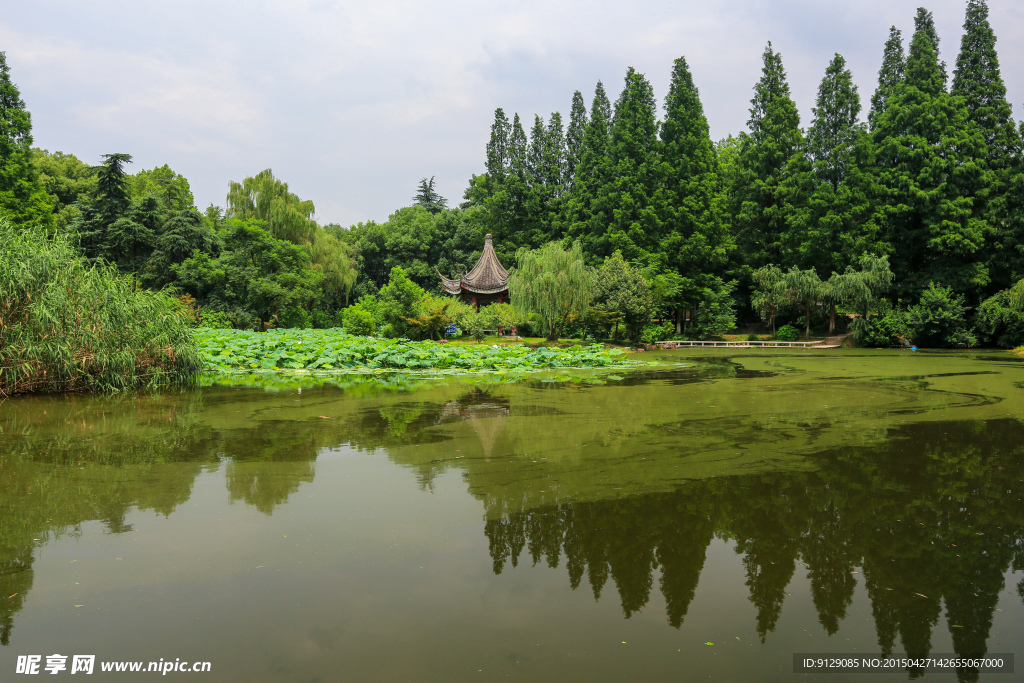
point(554, 162)
point(635, 188)
point(760, 206)
point(586, 213)
point(517, 149)
point(535, 153)
point(22, 197)
point(574, 137)
point(828, 188)
point(834, 128)
point(498, 148)
point(932, 182)
point(978, 80)
point(924, 23)
point(890, 75)
point(696, 242)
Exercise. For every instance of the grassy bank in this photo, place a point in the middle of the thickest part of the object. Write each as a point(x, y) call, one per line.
point(239, 350)
point(65, 326)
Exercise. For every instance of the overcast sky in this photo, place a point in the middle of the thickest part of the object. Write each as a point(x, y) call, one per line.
point(352, 103)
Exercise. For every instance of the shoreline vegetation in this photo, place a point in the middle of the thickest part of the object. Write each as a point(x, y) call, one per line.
point(900, 225)
point(66, 326)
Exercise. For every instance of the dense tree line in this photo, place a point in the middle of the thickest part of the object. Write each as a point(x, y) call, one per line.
point(775, 223)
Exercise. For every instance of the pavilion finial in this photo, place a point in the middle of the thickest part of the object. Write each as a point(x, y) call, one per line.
point(487, 238)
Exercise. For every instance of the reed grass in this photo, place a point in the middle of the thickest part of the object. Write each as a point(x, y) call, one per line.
point(66, 326)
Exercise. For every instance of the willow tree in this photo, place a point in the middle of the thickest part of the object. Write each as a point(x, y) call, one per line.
point(336, 261)
point(266, 198)
point(552, 283)
point(807, 289)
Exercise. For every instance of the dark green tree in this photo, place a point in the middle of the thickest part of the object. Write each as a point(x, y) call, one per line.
point(924, 22)
point(428, 197)
point(635, 191)
point(696, 243)
point(574, 135)
point(932, 182)
point(977, 79)
point(586, 214)
point(498, 153)
point(828, 187)
point(894, 63)
point(22, 197)
point(759, 204)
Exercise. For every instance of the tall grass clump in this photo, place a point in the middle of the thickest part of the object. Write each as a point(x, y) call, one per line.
point(66, 326)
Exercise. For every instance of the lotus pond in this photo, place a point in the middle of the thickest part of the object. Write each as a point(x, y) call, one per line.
point(703, 518)
point(331, 350)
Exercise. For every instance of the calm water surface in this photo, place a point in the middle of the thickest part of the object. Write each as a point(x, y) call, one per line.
point(700, 520)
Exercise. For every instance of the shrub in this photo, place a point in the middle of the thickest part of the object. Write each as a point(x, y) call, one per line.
point(881, 333)
point(65, 326)
point(653, 333)
point(358, 321)
point(787, 333)
point(753, 337)
point(940, 319)
point(999, 321)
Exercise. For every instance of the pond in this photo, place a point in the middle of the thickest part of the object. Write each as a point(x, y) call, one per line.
point(700, 519)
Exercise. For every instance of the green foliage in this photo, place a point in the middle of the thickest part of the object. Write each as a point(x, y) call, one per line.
point(332, 350)
point(932, 182)
point(787, 333)
point(255, 279)
point(716, 313)
point(621, 289)
point(398, 301)
point(1000, 318)
point(358, 320)
point(940, 319)
point(68, 180)
point(67, 327)
point(652, 333)
point(552, 283)
point(881, 332)
point(22, 197)
point(771, 294)
point(758, 194)
point(264, 197)
point(890, 75)
point(169, 188)
point(428, 198)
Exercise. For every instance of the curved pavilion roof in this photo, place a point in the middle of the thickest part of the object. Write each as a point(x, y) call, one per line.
point(487, 277)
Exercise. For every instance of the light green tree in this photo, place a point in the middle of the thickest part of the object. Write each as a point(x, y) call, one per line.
point(266, 198)
point(552, 283)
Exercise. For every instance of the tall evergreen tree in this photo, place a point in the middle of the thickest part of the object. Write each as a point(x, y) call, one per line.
point(498, 153)
point(22, 197)
point(759, 205)
point(696, 243)
point(574, 137)
point(635, 190)
point(978, 80)
point(586, 213)
point(834, 128)
point(554, 158)
point(894, 63)
point(924, 22)
point(932, 181)
point(829, 225)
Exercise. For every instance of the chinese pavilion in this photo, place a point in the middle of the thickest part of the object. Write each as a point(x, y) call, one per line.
point(486, 284)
